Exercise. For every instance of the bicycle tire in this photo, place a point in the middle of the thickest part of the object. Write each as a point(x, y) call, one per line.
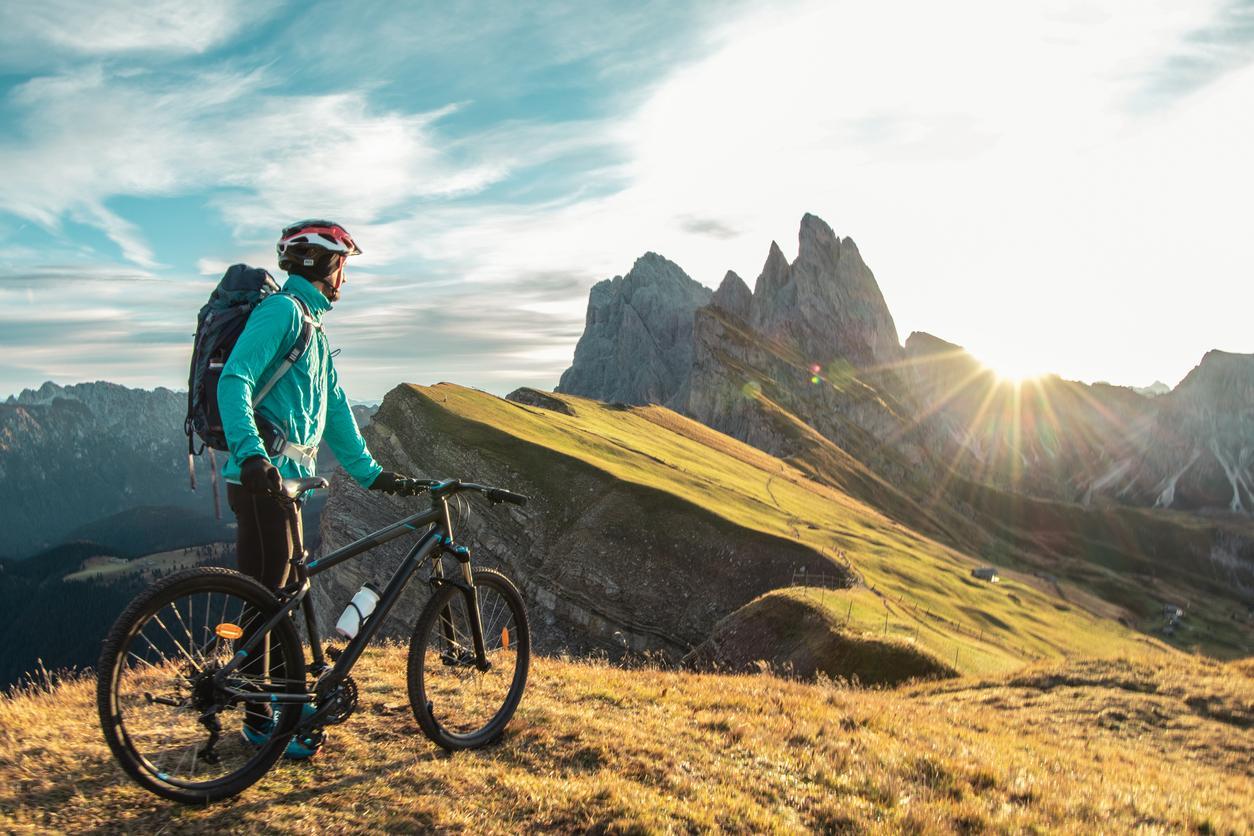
point(199, 580)
point(426, 637)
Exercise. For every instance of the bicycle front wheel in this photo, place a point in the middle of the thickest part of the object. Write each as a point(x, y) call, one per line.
point(458, 705)
point(172, 726)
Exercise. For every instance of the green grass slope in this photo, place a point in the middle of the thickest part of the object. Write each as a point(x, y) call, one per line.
point(796, 634)
point(919, 582)
point(1061, 747)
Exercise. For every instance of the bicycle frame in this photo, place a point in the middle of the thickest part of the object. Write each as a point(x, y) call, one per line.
point(437, 540)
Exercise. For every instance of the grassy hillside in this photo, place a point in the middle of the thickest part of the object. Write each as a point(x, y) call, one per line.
point(1111, 746)
point(800, 634)
point(150, 567)
point(918, 581)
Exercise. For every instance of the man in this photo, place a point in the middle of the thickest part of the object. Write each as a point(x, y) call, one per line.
point(306, 406)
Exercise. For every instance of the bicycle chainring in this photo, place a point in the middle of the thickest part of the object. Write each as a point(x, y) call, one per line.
point(345, 702)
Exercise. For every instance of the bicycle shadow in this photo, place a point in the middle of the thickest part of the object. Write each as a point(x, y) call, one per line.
point(136, 811)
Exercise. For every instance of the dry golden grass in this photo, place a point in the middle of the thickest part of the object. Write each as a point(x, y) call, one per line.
point(1076, 747)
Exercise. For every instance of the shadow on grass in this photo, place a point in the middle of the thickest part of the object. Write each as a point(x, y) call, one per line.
point(99, 781)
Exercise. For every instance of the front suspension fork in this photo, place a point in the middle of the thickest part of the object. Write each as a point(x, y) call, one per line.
point(471, 595)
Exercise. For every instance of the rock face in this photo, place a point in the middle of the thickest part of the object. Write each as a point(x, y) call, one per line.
point(534, 397)
point(1199, 451)
point(603, 563)
point(637, 342)
point(734, 297)
point(70, 455)
point(814, 340)
point(826, 304)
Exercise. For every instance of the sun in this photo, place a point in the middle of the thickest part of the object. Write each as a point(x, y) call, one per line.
point(1015, 367)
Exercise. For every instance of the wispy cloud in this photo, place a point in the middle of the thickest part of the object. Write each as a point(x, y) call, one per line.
point(41, 34)
point(284, 156)
point(1221, 44)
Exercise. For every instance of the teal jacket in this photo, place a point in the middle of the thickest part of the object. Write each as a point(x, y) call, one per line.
point(307, 403)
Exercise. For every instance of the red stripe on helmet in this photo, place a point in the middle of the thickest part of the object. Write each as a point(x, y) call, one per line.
point(335, 233)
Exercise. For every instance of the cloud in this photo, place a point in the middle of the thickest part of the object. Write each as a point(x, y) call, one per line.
point(43, 275)
point(283, 155)
point(38, 34)
point(712, 227)
point(1221, 44)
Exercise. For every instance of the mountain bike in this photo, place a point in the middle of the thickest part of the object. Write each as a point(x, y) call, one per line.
point(204, 650)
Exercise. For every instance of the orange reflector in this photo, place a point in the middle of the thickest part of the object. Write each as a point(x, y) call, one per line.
point(505, 637)
point(229, 631)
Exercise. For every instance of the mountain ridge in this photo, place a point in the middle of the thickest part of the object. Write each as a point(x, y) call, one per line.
point(815, 339)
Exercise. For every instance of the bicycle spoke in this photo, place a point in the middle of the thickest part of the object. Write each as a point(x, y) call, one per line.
point(162, 690)
point(177, 646)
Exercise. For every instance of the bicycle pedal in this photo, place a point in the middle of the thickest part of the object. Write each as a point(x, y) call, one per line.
point(333, 653)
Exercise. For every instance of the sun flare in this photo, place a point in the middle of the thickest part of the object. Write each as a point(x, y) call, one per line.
point(1015, 368)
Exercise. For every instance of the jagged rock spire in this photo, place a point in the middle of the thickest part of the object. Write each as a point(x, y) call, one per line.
point(827, 302)
point(733, 296)
point(637, 341)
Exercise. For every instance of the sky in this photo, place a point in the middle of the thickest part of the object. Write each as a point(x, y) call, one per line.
point(1057, 186)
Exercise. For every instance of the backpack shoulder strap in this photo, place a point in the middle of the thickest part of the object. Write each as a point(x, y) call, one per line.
point(303, 339)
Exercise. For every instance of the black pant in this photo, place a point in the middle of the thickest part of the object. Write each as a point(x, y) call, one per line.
point(268, 536)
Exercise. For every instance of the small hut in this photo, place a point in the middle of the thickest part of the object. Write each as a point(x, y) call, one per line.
point(986, 573)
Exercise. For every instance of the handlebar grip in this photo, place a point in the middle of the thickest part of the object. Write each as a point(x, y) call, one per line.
point(415, 487)
point(502, 495)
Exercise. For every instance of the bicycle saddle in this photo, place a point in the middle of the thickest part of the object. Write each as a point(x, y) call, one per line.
point(296, 488)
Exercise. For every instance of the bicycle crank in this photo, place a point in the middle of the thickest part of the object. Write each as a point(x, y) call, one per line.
point(341, 702)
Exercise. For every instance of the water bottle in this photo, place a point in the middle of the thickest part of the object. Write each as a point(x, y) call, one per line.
point(357, 611)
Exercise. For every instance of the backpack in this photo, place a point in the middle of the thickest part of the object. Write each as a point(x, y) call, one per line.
point(218, 327)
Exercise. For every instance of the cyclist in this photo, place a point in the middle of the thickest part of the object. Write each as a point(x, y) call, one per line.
point(306, 406)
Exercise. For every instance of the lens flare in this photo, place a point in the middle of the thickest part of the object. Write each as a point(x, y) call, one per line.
point(751, 389)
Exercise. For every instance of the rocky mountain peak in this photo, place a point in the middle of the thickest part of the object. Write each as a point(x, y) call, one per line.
point(827, 302)
point(734, 296)
point(1223, 379)
point(921, 343)
point(637, 341)
point(774, 272)
point(815, 236)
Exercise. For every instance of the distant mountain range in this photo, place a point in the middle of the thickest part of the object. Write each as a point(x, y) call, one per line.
point(815, 341)
point(71, 455)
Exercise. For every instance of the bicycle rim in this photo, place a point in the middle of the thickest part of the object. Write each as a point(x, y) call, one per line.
point(167, 708)
point(466, 705)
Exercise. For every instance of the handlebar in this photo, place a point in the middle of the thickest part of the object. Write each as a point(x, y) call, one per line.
point(295, 488)
point(449, 487)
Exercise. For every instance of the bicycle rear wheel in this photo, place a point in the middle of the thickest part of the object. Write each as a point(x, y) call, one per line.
point(457, 705)
point(171, 728)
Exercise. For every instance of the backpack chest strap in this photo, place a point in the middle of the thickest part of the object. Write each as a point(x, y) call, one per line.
point(305, 455)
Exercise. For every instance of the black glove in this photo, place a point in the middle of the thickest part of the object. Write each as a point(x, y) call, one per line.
point(259, 476)
point(395, 483)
